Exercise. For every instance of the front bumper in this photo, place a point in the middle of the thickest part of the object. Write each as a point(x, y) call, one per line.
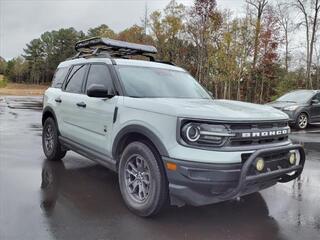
point(292, 116)
point(203, 183)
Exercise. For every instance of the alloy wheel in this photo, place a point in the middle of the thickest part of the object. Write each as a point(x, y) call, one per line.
point(137, 178)
point(49, 138)
point(303, 121)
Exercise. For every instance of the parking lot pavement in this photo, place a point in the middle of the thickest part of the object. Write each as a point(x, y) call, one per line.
point(77, 199)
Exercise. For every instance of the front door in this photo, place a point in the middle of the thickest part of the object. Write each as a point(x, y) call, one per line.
point(97, 118)
point(315, 110)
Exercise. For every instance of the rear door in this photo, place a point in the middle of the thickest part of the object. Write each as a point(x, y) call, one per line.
point(97, 117)
point(72, 103)
point(55, 91)
point(315, 109)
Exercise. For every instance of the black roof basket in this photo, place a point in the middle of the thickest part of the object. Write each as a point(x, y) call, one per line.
point(116, 48)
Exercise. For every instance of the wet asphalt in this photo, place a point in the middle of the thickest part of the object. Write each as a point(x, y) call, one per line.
point(78, 199)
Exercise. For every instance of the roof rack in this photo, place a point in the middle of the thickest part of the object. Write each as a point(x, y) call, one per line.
point(97, 45)
point(110, 48)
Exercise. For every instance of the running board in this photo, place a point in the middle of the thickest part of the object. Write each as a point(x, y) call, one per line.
point(89, 153)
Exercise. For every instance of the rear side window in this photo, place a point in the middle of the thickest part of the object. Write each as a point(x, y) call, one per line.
point(75, 79)
point(99, 74)
point(59, 77)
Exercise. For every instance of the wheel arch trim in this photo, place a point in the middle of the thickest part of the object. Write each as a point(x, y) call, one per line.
point(135, 128)
point(46, 110)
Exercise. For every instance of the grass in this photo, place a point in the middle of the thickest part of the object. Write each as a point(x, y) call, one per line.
point(18, 89)
point(3, 81)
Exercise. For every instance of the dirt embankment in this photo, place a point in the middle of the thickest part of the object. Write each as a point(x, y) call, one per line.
point(23, 89)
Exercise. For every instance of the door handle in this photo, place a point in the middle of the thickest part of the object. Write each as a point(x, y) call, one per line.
point(81, 104)
point(58, 100)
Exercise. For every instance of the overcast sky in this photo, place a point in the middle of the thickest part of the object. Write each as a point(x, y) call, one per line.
point(23, 20)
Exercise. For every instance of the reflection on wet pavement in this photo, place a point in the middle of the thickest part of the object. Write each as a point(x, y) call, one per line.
point(77, 199)
point(92, 193)
point(33, 103)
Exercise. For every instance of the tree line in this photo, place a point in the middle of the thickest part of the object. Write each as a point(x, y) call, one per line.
point(249, 57)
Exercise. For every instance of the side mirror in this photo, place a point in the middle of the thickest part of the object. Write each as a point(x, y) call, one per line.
point(98, 91)
point(315, 101)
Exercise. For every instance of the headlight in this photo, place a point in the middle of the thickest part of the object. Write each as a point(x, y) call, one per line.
point(192, 133)
point(291, 108)
point(204, 134)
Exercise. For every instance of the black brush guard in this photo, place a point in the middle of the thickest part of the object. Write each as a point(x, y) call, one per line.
point(282, 174)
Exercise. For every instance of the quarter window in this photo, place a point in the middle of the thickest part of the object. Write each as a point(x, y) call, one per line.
point(99, 74)
point(75, 79)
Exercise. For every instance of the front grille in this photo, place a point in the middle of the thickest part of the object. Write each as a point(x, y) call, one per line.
point(265, 125)
point(241, 142)
point(270, 157)
point(258, 133)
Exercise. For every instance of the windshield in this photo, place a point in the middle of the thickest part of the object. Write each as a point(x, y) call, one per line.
point(147, 82)
point(298, 97)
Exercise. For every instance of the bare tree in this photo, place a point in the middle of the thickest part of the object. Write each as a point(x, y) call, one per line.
point(314, 22)
point(310, 21)
point(317, 62)
point(285, 20)
point(203, 23)
point(258, 7)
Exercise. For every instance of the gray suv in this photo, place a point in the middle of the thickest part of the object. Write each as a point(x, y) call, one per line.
point(167, 139)
point(302, 107)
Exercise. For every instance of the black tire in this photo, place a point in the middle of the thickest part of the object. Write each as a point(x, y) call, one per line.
point(52, 150)
point(156, 192)
point(302, 121)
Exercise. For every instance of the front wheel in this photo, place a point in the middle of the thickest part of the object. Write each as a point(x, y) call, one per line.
point(142, 180)
point(302, 121)
point(50, 141)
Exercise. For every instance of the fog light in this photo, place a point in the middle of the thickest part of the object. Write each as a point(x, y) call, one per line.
point(259, 164)
point(292, 158)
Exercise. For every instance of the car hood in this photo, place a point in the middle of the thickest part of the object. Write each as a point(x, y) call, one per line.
point(282, 105)
point(207, 109)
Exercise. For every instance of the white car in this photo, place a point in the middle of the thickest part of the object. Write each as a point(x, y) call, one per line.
point(160, 130)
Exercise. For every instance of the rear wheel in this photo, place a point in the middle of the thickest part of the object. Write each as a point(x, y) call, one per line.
point(142, 180)
point(50, 141)
point(302, 121)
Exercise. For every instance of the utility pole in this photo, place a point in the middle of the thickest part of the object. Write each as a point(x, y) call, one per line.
point(146, 17)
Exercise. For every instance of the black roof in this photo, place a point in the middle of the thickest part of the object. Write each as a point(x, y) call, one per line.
point(113, 47)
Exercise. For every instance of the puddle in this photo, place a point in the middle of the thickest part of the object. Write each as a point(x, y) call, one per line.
point(26, 105)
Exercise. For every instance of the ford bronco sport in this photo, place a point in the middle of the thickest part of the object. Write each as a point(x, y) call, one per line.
point(159, 129)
